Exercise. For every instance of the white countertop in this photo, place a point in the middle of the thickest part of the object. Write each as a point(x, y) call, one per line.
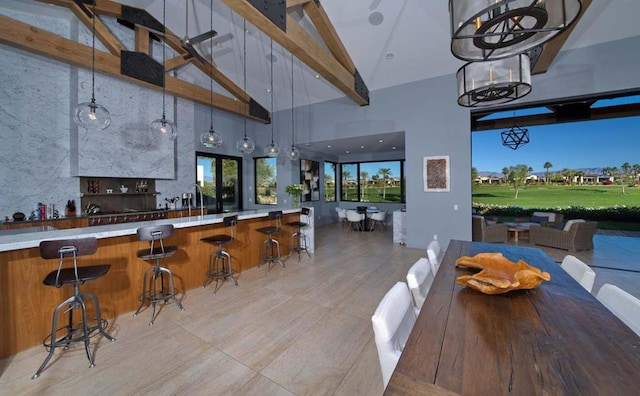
point(13, 241)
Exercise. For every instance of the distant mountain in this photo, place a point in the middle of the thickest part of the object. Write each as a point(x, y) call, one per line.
point(587, 171)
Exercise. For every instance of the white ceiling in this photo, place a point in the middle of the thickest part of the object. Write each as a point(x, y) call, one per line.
point(391, 42)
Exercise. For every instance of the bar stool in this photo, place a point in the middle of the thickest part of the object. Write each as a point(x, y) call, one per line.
point(221, 271)
point(76, 276)
point(268, 255)
point(301, 237)
point(158, 292)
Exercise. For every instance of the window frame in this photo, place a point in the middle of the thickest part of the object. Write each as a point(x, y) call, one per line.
point(256, 181)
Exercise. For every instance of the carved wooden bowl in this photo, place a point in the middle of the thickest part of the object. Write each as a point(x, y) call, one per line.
point(498, 274)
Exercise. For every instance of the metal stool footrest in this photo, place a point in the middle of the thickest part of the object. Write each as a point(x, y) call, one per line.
point(268, 256)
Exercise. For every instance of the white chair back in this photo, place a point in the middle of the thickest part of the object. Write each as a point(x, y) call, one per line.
point(434, 254)
point(379, 216)
point(419, 279)
point(392, 323)
point(622, 304)
point(579, 271)
point(354, 216)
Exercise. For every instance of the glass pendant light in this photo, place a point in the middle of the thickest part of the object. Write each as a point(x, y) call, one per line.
point(90, 115)
point(272, 150)
point(163, 127)
point(211, 138)
point(293, 153)
point(246, 145)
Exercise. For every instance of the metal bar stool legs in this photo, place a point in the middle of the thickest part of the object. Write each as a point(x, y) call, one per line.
point(302, 244)
point(74, 334)
point(268, 256)
point(154, 296)
point(217, 260)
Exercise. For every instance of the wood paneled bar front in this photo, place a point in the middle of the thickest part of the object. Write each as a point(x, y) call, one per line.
point(26, 305)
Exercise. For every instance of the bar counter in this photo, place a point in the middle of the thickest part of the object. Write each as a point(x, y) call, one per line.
point(27, 305)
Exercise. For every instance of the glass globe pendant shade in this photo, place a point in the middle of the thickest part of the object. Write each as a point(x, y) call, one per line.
point(272, 150)
point(90, 115)
point(211, 138)
point(245, 145)
point(164, 128)
point(293, 153)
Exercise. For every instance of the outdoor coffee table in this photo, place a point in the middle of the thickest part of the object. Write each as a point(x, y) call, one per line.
point(517, 229)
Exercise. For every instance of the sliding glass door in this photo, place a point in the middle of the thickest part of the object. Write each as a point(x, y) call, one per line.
point(220, 177)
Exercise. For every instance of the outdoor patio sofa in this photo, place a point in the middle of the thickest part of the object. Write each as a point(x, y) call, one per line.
point(578, 235)
point(481, 231)
point(549, 219)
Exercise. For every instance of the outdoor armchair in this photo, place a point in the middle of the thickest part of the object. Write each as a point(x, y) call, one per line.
point(483, 232)
point(578, 237)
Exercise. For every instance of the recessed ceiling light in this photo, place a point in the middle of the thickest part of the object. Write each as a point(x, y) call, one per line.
point(307, 144)
point(347, 151)
point(328, 146)
point(393, 148)
point(268, 89)
point(390, 55)
point(361, 147)
point(380, 141)
point(317, 76)
point(376, 18)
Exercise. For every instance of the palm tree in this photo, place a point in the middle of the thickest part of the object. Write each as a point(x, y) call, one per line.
point(547, 166)
point(346, 175)
point(363, 179)
point(626, 169)
point(385, 173)
point(567, 174)
point(579, 174)
point(505, 174)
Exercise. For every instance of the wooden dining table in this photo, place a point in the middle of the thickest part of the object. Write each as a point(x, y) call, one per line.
point(556, 339)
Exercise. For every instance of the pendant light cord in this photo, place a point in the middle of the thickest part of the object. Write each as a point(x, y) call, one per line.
point(164, 77)
point(271, 59)
point(244, 63)
point(211, 54)
point(93, 54)
point(293, 141)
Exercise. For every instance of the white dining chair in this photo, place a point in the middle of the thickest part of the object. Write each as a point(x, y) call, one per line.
point(377, 218)
point(354, 219)
point(392, 323)
point(434, 254)
point(579, 271)
point(419, 279)
point(622, 304)
point(342, 217)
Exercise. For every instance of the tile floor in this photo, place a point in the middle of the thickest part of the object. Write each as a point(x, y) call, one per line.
point(302, 330)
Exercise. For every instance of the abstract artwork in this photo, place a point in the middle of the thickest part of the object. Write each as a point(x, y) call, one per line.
point(310, 179)
point(436, 174)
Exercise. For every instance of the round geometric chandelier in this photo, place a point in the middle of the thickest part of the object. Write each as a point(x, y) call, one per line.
point(494, 82)
point(484, 30)
point(515, 137)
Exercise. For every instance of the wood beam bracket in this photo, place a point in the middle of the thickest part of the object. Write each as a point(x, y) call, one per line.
point(141, 67)
point(274, 10)
point(135, 16)
point(81, 3)
point(361, 88)
point(257, 111)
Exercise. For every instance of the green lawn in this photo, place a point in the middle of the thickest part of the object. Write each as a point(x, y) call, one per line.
point(374, 194)
point(542, 196)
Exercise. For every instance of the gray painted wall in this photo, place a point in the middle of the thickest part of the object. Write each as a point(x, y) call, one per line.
point(426, 111)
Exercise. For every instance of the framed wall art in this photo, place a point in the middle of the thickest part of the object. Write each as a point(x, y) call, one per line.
point(436, 174)
point(310, 179)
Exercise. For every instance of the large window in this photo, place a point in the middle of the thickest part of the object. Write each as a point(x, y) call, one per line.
point(373, 181)
point(330, 169)
point(220, 177)
point(266, 185)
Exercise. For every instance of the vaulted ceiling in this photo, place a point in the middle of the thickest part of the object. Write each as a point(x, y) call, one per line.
point(388, 43)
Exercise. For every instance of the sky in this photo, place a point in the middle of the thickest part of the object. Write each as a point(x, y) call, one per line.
point(587, 144)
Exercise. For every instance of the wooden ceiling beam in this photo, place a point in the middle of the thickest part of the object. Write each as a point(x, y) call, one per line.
point(142, 44)
point(26, 37)
point(300, 43)
point(321, 21)
point(293, 3)
point(105, 36)
point(597, 113)
point(551, 49)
